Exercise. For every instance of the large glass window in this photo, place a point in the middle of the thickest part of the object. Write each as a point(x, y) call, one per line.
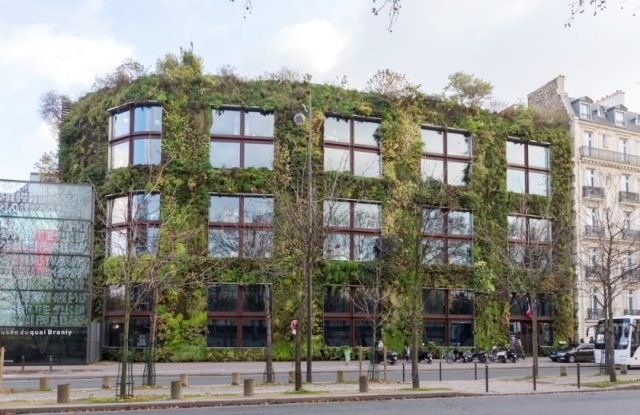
point(448, 317)
point(236, 315)
point(529, 241)
point(349, 313)
point(141, 304)
point(241, 138)
point(528, 168)
point(353, 229)
point(446, 236)
point(133, 224)
point(446, 156)
point(135, 136)
point(240, 225)
point(352, 146)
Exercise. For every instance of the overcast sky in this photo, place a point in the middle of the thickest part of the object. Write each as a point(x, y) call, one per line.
point(517, 45)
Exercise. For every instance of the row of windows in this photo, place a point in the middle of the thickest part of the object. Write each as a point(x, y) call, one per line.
point(586, 113)
point(244, 139)
point(237, 315)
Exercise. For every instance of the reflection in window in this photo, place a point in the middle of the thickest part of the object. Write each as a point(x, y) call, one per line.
point(446, 156)
point(135, 136)
point(347, 316)
point(236, 315)
point(240, 226)
point(448, 317)
point(528, 168)
point(241, 139)
point(446, 236)
point(353, 230)
point(529, 241)
point(133, 224)
point(357, 153)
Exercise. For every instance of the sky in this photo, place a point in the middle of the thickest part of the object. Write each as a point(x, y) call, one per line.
point(517, 45)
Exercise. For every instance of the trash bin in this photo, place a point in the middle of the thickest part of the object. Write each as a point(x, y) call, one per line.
point(347, 354)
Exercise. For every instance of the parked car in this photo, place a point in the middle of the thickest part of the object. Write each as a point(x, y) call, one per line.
point(572, 353)
point(557, 355)
point(582, 353)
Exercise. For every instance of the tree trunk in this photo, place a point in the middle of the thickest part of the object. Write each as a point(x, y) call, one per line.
point(609, 336)
point(297, 358)
point(124, 357)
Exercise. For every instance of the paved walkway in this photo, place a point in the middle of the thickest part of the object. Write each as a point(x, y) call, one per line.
point(32, 401)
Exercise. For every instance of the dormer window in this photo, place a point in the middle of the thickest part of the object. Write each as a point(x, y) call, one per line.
point(619, 118)
point(600, 112)
point(636, 121)
point(585, 111)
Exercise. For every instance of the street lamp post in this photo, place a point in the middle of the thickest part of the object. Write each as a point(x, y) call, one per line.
point(308, 260)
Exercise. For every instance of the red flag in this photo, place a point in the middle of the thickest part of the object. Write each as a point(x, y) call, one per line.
point(529, 311)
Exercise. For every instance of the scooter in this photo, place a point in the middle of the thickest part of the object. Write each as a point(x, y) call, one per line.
point(498, 355)
point(392, 357)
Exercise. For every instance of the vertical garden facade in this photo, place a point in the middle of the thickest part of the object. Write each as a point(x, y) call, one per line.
point(204, 212)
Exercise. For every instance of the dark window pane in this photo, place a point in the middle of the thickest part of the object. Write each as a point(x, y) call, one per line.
point(363, 333)
point(336, 299)
point(253, 298)
point(433, 301)
point(222, 297)
point(336, 332)
point(461, 332)
point(115, 298)
point(460, 302)
point(254, 333)
point(145, 239)
point(434, 332)
point(222, 333)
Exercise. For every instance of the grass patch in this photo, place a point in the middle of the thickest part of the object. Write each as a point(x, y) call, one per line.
point(108, 399)
point(607, 383)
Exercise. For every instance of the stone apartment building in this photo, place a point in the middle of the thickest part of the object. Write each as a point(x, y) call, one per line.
point(606, 195)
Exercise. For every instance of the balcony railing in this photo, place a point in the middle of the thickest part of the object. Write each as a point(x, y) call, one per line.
point(606, 155)
point(629, 197)
point(593, 192)
point(595, 313)
point(631, 312)
point(593, 230)
point(631, 235)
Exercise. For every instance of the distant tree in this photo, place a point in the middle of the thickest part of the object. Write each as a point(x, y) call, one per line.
point(124, 74)
point(578, 7)
point(392, 84)
point(467, 89)
point(392, 7)
point(47, 167)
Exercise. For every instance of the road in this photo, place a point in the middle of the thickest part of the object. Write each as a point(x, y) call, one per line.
point(432, 372)
point(623, 402)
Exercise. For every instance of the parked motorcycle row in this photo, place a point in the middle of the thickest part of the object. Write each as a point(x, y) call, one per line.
point(497, 355)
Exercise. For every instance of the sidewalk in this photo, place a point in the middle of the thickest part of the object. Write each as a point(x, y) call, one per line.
point(30, 401)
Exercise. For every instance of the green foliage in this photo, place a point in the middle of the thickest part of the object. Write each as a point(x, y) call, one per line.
point(188, 97)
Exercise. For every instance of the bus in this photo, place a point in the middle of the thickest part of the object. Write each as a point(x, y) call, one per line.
point(626, 331)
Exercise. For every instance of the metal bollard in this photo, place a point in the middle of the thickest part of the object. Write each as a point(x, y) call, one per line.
point(292, 376)
point(486, 377)
point(176, 389)
point(578, 374)
point(50, 363)
point(235, 378)
point(184, 379)
point(440, 371)
point(340, 376)
point(402, 372)
point(64, 393)
point(44, 384)
point(23, 363)
point(563, 371)
point(364, 384)
point(106, 382)
point(249, 387)
point(475, 370)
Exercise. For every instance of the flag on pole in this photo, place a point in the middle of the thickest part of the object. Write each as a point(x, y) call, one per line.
point(529, 311)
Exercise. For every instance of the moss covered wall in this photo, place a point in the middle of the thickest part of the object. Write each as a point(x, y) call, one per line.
point(187, 96)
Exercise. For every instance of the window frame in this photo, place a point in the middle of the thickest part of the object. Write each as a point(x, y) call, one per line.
point(242, 140)
point(353, 146)
point(150, 139)
point(527, 169)
point(445, 156)
point(348, 229)
point(447, 318)
point(527, 243)
point(130, 227)
point(353, 316)
point(443, 237)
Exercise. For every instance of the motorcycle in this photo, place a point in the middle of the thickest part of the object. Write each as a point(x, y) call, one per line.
point(477, 355)
point(459, 355)
point(392, 357)
point(498, 354)
point(512, 355)
point(425, 356)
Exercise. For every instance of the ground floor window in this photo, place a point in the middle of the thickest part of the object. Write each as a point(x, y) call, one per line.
point(448, 317)
point(349, 315)
point(236, 315)
point(138, 332)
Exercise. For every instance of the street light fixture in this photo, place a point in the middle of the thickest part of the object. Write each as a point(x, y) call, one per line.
point(299, 119)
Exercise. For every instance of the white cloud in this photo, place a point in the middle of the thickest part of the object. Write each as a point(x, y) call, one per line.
point(41, 50)
point(314, 45)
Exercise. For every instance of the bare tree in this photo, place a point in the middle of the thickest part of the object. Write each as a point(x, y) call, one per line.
point(609, 256)
point(578, 7)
